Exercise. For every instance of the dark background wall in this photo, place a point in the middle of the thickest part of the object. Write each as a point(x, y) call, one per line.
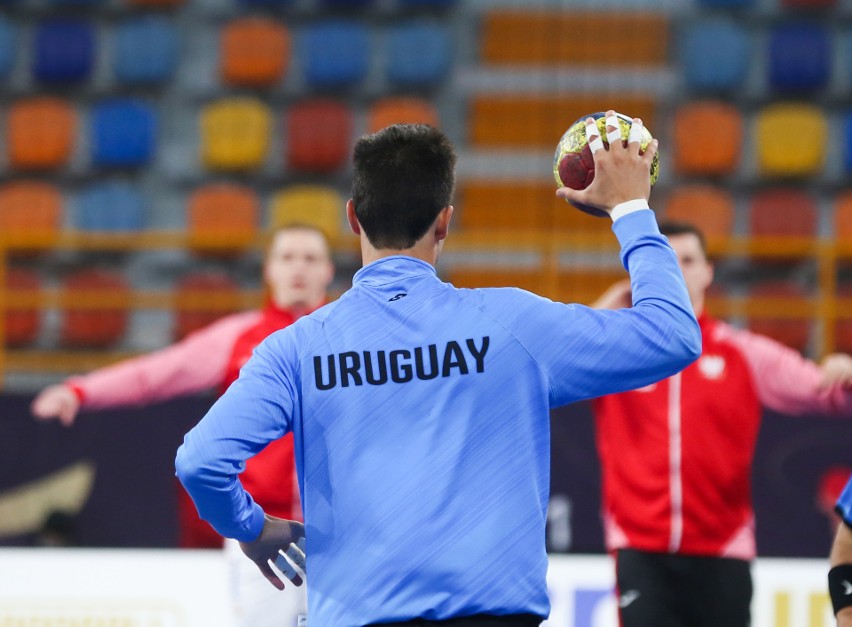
point(132, 503)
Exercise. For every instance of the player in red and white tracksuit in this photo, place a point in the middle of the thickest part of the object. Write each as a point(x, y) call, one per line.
point(676, 462)
point(297, 271)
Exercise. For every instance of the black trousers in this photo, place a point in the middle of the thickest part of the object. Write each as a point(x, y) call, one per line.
point(663, 590)
point(479, 620)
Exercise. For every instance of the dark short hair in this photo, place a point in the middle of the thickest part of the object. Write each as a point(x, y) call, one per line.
point(684, 228)
point(404, 177)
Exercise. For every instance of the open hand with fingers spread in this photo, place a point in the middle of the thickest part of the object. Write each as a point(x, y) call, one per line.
point(279, 538)
point(56, 401)
point(622, 171)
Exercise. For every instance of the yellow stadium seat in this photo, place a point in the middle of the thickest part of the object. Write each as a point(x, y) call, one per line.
point(523, 121)
point(709, 208)
point(399, 110)
point(548, 36)
point(235, 134)
point(791, 140)
point(322, 207)
point(707, 138)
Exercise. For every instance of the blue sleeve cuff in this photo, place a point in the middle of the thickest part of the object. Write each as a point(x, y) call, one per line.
point(635, 224)
point(255, 525)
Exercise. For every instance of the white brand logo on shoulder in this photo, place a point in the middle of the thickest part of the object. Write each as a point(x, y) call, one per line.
point(712, 366)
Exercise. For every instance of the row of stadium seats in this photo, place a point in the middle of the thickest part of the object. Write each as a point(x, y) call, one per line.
point(95, 304)
point(220, 215)
point(270, 4)
point(253, 52)
point(235, 133)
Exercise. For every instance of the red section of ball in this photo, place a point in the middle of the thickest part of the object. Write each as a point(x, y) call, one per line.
point(577, 170)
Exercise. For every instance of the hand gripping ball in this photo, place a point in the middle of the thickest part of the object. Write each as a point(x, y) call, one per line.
point(573, 165)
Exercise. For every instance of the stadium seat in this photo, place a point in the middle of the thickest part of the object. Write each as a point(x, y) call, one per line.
point(419, 54)
point(64, 51)
point(322, 207)
point(425, 4)
point(795, 332)
point(783, 212)
point(346, 4)
point(156, 4)
point(707, 138)
point(22, 324)
point(584, 285)
point(334, 54)
point(112, 206)
point(399, 110)
point(235, 134)
point(30, 212)
point(605, 38)
point(266, 4)
point(714, 55)
point(800, 57)
point(726, 4)
point(41, 133)
point(843, 324)
point(843, 217)
point(124, 133)
point(8, 47)
point(791, 139)
point(222, 217)
point(201, 298)
point(846, 141)
point(525, 121)
point(808, 4)
point(254, 52)
point(147, 51)
point(709, 208)
point(318, 136)
point(96, 309)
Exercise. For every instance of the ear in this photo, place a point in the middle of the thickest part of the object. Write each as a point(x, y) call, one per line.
point(442, 224)
point(352, 218)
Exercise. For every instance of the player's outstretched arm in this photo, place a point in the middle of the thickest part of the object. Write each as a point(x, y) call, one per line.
point(56, 401)
point(279, 538)
point(836, 370)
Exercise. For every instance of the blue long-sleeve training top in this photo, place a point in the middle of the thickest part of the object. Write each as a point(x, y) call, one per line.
point(420, 414)
point(844, 503)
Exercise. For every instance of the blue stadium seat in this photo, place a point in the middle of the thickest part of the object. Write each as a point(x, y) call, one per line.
point(123, 133)
point(146, 51)
point(726, 4)
point(346, 4)
point(799, 57)
point(847, 142)
point(111, 206)
point(64, 51)
point(419, 54)
point(334, 53)
point(426, 4)
point(714, 55)
point(8, 47)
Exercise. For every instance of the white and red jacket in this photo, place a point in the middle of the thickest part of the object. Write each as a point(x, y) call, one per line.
point(209, 358)
point(676, 455)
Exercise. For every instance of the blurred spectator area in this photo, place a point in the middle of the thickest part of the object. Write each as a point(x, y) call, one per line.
point(148, 146)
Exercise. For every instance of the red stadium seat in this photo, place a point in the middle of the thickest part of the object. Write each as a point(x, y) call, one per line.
point(201, 298)
point(795, 331)
point(783, 212)
point(319, 135)
point(22, 324)
point(96, 312)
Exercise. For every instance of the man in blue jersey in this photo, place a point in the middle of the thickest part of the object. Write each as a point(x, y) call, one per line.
point(420, 412)
point(840, 575)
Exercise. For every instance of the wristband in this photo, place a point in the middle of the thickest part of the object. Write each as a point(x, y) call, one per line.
point(623, 208)
point(78, 392)
point(840, 586)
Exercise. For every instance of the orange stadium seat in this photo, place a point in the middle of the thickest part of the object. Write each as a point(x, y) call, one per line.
point(707, 138)
point(235, 134)
point(523, 121)
point(22, 324)
point(30, 212)
point(843, 325)
point(783, 212)
point(201, 298)
point(254, 52)
point(709, 208)
point(222, 217)
point(843, 217)
point(531, 279)
point(791, 139)
point(585, 285)
point(99, 313)
point(486, 205)
point(400, 110)
point(322, 207)
point(557, 37)
point(795, 332)
point(41, 133)
point(319, 135)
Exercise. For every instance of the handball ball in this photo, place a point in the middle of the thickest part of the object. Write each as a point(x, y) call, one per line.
point(573, 165)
